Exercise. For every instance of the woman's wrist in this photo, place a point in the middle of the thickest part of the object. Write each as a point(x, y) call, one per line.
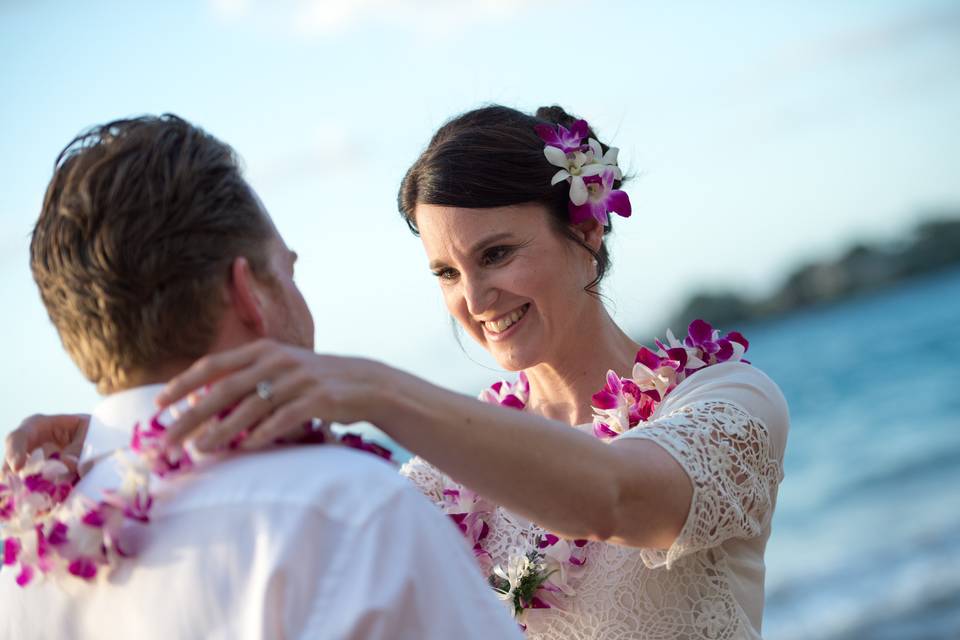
point(381, 399)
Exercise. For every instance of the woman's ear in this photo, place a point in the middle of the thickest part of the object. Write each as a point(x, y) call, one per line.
point(591, 232)
point(246, 297)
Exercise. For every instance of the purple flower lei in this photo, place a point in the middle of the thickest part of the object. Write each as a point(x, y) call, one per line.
point(48, 529)
point(589, 171)
point(625, 402)
point(537, 578)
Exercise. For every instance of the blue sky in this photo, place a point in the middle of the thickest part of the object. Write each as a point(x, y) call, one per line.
point(762, 134)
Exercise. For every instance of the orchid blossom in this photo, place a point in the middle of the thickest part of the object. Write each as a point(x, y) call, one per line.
point(589, 170)
point(601, 198)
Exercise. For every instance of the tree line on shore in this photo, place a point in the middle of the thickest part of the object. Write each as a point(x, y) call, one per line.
point(934, 245)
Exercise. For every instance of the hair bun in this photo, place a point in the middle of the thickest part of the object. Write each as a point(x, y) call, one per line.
point(557, 115)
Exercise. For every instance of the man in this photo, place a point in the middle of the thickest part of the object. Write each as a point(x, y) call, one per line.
point(151, 251)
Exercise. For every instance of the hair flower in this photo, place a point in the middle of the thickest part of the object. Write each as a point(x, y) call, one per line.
point(566, 140)
point(589, 171)
point(601, 198)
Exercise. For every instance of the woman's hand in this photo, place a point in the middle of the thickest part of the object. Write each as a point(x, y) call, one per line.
point(270, 390)
point(63, 433)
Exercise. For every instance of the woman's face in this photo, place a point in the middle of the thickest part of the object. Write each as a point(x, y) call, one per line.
point(508, 277)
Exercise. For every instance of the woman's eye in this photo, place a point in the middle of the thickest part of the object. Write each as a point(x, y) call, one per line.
point(494, 255)
point(446, 274)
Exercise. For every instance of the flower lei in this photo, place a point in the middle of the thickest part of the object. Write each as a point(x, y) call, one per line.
point(589, 171)
point(48, 528)
point(625, 402)
point(537, 577)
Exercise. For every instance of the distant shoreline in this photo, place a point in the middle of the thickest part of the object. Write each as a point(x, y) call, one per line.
point(933, 246)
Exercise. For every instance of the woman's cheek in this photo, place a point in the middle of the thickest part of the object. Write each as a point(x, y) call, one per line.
point(457, 308)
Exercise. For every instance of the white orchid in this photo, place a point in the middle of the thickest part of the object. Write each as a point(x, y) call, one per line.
point(578, 164)
point(518, 566)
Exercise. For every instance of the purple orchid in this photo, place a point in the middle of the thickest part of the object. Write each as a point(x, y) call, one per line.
point(654, 361)
point(150, 444)
point(25, 576)
point(620, 406)
point(84, 568)
point(700, 334)
point(603, 431)
point(505, 394)
point(58, 534)
point(36, 483)
point(714, 349)
point(11, 549)
point(567, 140)
point(93, 518)
point(601, 199)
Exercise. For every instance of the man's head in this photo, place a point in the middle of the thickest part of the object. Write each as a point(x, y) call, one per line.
point(151, 250)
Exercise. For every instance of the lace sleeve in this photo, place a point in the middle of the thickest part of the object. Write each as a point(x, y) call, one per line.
point(425, 477)
point(732, 467)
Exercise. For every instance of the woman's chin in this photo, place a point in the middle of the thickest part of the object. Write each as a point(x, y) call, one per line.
point(513, 358)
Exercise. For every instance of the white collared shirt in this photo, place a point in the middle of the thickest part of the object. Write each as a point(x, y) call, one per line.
point(302, 542)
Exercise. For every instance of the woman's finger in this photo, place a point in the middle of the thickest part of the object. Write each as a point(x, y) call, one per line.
point(219, 433)
point(210, 368)
point(286, 421)
point(249, 413)
point(224, 395)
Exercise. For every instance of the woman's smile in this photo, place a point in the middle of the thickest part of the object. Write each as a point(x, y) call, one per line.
point(506, 325)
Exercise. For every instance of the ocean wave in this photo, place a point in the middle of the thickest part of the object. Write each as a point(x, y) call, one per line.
point(916, 585)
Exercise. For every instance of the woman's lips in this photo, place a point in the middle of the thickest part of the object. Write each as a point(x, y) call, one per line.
point(506, 324)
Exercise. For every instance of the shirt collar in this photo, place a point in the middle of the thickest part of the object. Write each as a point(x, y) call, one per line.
point(112, 421)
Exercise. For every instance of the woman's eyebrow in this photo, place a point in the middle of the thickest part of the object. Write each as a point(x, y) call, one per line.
point(489, 240)
point(477, 247)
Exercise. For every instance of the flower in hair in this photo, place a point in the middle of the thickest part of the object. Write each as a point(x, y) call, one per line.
point(601, 199)
point(567, 140)
point(589, 171)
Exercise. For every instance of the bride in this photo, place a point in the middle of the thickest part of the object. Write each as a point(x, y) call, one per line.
point(610, 491)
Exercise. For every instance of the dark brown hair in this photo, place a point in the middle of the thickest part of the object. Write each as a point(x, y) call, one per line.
point(493, 157)
point(139, 226)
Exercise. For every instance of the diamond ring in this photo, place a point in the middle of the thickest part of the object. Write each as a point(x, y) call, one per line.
point(265, 390)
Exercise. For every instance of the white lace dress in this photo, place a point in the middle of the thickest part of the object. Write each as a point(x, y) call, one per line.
point(727, 427)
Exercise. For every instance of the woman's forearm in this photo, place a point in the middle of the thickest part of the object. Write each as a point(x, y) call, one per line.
point(564, 480)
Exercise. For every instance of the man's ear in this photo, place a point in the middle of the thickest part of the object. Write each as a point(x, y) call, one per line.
point(591, 232)
point(246, 297)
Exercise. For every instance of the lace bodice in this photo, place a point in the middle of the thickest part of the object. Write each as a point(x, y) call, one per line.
point(709, 583)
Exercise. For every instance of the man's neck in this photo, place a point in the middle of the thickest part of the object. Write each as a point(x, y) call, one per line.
point(145, 377)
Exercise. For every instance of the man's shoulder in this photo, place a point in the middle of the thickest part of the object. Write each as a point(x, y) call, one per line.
point(341, 482)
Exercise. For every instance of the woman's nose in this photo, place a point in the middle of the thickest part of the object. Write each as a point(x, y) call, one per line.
point(478, 294)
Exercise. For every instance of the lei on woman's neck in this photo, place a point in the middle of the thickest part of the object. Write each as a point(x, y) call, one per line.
point(49, 529)
point(537, 578)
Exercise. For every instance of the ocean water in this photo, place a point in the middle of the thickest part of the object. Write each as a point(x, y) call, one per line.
point(866, 537)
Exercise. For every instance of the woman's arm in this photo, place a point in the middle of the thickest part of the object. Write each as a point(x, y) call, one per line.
point(632, 492)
